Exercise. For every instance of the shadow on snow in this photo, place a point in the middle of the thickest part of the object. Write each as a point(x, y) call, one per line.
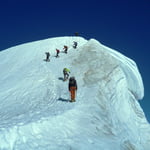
point(63, 99)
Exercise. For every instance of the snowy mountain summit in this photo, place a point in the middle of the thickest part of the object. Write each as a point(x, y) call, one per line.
point(35, 112)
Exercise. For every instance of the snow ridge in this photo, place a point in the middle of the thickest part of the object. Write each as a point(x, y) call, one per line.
point(34, 109)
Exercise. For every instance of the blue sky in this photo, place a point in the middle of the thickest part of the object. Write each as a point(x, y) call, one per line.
point(121, 25)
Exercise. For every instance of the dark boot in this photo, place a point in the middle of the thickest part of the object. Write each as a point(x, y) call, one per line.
point(72, 100)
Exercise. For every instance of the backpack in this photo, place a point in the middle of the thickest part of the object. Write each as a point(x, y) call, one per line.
point(57, 50)
point(72, 81)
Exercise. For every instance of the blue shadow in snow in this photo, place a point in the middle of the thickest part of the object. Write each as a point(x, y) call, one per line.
point(61, 78)
point(63, 99)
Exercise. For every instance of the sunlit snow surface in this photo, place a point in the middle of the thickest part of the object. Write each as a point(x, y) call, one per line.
point(34, 110)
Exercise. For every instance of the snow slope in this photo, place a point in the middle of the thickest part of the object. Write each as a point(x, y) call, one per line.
point(34, 110)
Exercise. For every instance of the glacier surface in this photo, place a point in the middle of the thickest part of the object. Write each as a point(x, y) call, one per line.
point(35, 113)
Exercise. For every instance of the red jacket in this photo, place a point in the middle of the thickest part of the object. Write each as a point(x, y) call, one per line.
point(57, 50)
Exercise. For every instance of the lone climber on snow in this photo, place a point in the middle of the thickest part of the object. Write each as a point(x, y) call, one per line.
point(72, 88)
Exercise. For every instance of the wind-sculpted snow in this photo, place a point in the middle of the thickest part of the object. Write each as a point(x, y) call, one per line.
point(35, 112)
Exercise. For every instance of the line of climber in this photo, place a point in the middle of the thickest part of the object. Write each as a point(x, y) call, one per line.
point(65, 50)
point(72, 85)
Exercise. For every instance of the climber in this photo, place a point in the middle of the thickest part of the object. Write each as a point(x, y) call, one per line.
point(57, 52)
point(76, 34)
point(72, 88)
point(75, 45)
point(66, 72)
point(65, 49)
point(47, 56)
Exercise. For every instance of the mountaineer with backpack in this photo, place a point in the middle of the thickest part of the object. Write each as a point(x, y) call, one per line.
point(65, 49)
point(57, 52)
point(66, 72)
point(75, 45)
point(47, 56)
point(72, 86)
